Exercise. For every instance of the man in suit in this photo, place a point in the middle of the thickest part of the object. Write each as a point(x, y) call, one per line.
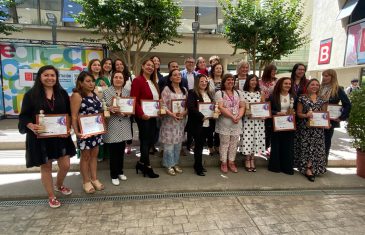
point(163, 81)
point(188, 75)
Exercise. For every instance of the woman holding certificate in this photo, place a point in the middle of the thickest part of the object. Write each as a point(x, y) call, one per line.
point(172, 127)
point(267, 84)
point(44, 98)
point(310, 155)
point(119, 127)
point(334, 94)
point(253, 138)
point(85, 102)
point(282, 142)
point(229, 125)
point(145, 89)
point(200, 125)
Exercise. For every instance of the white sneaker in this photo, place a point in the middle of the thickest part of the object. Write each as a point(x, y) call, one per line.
point(122, 177)
point(115, 182)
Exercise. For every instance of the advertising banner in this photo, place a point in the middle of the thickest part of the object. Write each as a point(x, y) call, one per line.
point(20, 63)
point(355, 48)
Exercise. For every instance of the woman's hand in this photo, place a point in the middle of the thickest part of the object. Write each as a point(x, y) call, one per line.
point(309, 114)
point(145, 117)
point(114, 109)
point(34, 127)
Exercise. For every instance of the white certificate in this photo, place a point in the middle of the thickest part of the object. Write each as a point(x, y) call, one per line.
point(126, 104)
point(241, 83)
point(334, 110)
point(261, 110)
point(150, 107)
point(207, 109)
point(319, 120)
point(284, 123)
point(92, 124)
point(54, 125)
point(178, 105)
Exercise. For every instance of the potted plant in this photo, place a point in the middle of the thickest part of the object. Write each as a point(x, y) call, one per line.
point(356, 128)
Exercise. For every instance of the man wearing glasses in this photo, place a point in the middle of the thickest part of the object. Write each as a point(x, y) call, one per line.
point(188, 75)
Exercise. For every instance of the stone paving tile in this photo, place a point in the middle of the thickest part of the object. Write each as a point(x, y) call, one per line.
point(172, 229)
point(211, 232)
point(154, 230)
point(207, 226)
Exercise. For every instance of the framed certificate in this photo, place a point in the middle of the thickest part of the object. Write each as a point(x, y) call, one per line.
point(150, 107)
point(334, 110)
point(126, 104)
point(92, 124)
point(284, 123)
point(319, 120)
point(178, 105)
point(55, 125)
point(261, 110)
point(207, 109)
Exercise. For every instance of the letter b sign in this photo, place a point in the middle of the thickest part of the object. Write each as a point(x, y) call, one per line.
point(325, 51)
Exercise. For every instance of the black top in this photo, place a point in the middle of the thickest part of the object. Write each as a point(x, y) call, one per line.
point(346, 106)
point(39, 151)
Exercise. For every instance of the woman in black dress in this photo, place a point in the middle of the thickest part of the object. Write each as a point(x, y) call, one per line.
point(282, 143)
point(47, 95)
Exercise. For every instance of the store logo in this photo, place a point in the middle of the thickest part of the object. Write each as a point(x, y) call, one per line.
point(325, 51)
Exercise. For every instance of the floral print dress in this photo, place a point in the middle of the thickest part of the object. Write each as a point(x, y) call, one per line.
point(309, 142)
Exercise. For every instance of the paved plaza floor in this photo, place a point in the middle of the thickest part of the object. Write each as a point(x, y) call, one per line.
point(270, 214)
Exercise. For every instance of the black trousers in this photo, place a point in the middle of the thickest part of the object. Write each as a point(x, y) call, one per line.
point(147, 133)
point(268, 132)
point(328, 133)
point(200, 138)
point(116, 162)
point(282, 152)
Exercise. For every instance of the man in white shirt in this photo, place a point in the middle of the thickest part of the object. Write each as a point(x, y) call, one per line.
point(188, 75)
point(353, 87)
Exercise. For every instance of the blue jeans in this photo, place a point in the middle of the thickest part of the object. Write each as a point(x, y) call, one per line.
point(171, 154)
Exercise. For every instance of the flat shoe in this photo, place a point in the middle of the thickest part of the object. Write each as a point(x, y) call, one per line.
point(122, 177)
point(115, 182)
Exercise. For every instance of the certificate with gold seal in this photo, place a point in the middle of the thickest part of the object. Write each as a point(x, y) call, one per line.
point(284, 123)
point(207, 109)
point(260, 110)
point(178, 105)
point(92, 124)
point(54, 125)
point(319, 120)
point(125, 104)
point(334, 110)
point(150, 107)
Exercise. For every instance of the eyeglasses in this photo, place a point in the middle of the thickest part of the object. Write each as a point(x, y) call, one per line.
point(190, 62)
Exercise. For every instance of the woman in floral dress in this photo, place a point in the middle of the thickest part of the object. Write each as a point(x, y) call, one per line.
point(310, 155)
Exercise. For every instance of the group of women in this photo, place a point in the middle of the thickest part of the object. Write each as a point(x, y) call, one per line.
point(306, 148)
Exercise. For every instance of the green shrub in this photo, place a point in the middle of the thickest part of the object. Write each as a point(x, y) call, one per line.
point(356, 122)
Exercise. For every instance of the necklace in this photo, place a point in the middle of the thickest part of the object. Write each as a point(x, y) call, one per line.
point(51, 104)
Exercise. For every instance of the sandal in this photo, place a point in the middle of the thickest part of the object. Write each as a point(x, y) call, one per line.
point(97, 185)
point(88, 188)
point(248, 164)
point(252, 164)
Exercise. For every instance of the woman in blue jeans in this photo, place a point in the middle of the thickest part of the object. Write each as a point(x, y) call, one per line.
point(173, 124)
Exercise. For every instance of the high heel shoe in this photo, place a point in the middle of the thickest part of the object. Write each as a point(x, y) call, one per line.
point(248, 165)
point(252, 164)
point(139, 167)
point(310, 177)
point(149, 172)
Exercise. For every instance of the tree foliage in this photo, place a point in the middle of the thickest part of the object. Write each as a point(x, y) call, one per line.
point(5, 7)
point(265, 29)
point(356, 122)
point(129, 26)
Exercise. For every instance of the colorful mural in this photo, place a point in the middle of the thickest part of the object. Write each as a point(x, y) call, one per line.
point(17, 59)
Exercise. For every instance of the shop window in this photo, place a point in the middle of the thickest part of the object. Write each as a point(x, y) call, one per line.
point(358, 13)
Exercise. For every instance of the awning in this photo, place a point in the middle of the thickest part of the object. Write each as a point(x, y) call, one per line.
point(347, 9)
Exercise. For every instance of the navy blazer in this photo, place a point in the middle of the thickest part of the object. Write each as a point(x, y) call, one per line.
point(346, 106)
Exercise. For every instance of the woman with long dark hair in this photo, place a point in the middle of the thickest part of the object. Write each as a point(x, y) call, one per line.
point(253, 138)
point(282, 143)
point(298, 79)
point(334, 94)
point(84, 101)
point(48, 96)
point(173, 124)
point(200, 127)
point(106, 69)
point(145, 87)
point(267, 84)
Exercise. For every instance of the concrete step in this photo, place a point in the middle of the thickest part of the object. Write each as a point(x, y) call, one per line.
point(13, 161)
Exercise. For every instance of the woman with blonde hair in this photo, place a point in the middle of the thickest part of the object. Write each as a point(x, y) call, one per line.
point(242, 71)
point(334, 94)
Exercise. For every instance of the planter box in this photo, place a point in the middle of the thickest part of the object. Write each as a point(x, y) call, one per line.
point(360, 163)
